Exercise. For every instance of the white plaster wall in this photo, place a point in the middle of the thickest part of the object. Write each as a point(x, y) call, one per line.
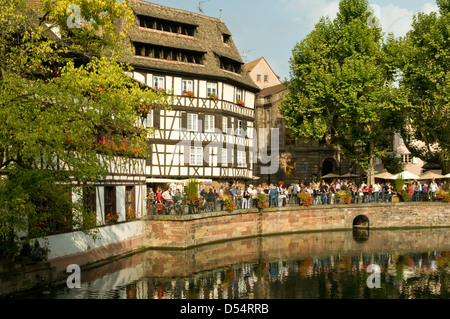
point(150, 79)
point(100, 192)
point(63, 245)
point(202, 89)
point(139, 77)
point(177, 86)
point(228, 93)
point(169, 83)
point(120, 202)
point(250, 100)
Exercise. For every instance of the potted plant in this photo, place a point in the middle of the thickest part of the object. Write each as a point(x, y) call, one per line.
point(189, 94)
point(112, 218)
point(305, 199)
point(240, 102)
point(213, 96)
point(191, 189)
point(131, 214)
point(344, 196)
point(443, 196)
point(228, 202)
point(261, 201)
point(160, 90)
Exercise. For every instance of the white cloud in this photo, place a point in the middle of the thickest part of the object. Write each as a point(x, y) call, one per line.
point(308, 11)
point(430, 7)
point(396, 20)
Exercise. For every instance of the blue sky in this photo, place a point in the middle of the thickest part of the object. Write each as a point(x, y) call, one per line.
point(271, 28)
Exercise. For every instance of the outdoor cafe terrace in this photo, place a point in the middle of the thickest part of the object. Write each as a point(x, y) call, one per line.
point(327, 192)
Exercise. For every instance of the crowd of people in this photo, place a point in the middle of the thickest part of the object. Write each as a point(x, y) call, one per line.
point(322, 193)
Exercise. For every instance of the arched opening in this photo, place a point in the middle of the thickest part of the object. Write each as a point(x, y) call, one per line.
point(328, 166)
point(361, 229)
point(361, 222)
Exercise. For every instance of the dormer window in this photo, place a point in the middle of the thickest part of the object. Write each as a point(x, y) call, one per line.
point(167, 25)
point(167, 53)
point(230, 65)
point(226, 38)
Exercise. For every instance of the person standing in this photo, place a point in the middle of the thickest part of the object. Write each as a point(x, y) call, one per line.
point(433, 190)
point(376, 192)
point(151, 201)
point(273, 196)
point(324, 193)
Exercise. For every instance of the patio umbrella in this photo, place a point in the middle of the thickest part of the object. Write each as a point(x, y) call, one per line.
point(349, 175)
point(447, 176)
point(431, 175)
point(385, 175)
point(331, 175)
point(406, 176)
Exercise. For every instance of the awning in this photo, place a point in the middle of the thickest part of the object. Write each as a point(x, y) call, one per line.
point(406, 176)
point(199, 180)
point(163, 181)
point(385, 175)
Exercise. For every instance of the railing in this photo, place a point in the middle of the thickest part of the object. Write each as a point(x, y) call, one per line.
point(291, 200)
point(208, 103)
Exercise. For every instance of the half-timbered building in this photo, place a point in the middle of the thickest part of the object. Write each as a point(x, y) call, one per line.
point(193, 59)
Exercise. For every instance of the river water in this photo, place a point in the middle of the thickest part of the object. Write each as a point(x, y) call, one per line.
point(413, 264)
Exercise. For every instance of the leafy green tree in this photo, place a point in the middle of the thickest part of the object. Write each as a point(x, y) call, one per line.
point(423, 60)
point(66, 108)
point(341, 86)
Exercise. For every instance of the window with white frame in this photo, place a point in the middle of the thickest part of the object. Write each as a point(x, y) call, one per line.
point(406, 159)
point(210, 122)
point(158, 82)
point(224, 156)
point(240, 158)
point(187, 86)
point(240, 128)
point(192, 122)
point(250, 130)
point(196, 156)
point(238, 95)
point(212, 89)
point(224, 125)
point(150, 119)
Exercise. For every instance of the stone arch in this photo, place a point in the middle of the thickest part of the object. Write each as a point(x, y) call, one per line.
point(361, 222)
point(329, 165)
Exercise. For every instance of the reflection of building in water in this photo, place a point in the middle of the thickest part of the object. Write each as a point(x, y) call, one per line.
point(407, 276)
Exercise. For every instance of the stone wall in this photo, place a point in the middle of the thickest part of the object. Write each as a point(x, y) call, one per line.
point(190, 231)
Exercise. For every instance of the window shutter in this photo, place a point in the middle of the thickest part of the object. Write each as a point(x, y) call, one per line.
point(219, 122)
point(247, 158)
point(201, 125)
point(157, 119)
point(184, 120)
point(114, 199)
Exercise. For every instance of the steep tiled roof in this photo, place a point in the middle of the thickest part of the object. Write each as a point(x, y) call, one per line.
point(272, 90)
point(208, 40)
point(251, 65)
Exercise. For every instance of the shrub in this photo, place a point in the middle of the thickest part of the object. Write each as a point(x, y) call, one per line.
point(344, 196)
point(261, 201)
point(228, 202)
point(305, 199)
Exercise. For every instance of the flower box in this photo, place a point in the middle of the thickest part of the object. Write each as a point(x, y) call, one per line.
point(189, 94)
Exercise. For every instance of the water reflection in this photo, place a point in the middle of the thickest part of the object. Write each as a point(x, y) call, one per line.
point(414, 264)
